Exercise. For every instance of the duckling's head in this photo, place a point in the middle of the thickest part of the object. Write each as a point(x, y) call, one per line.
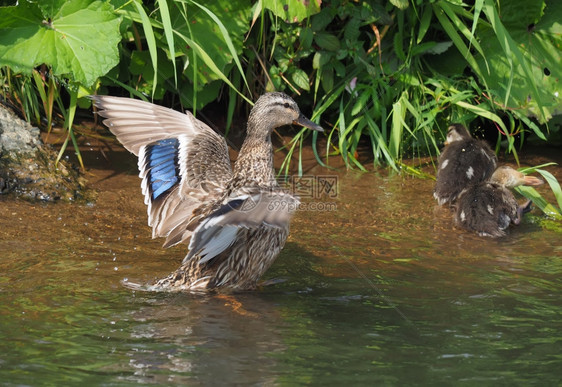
point(509, 178)
point(273, 110)
point(457, 132)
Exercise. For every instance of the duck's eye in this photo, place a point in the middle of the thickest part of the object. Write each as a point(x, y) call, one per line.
point(286, 105)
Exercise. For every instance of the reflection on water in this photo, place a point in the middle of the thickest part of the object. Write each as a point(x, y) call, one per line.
point(383, 289)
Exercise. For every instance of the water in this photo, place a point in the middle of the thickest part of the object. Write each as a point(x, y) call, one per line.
point(380, 290)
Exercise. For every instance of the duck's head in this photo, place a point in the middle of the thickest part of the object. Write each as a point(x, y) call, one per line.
point(457, 132)
point(273, 110)
point(509, 178)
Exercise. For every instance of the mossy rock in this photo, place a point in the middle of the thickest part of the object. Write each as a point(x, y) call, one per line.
point(28, 168)
point(35, 177)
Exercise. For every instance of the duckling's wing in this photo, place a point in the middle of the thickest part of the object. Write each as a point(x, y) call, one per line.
point(182, 162)
point(219, 230)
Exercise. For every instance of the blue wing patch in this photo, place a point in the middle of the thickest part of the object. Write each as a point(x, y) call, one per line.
point(162, 166)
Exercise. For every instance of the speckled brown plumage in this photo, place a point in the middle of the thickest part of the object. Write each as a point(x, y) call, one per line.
point(464, 161)
point(489, 208)
point(236, 221)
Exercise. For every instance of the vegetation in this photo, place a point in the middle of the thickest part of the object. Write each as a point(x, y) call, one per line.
point(391, 75)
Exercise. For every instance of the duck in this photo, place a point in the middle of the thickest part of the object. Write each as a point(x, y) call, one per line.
point(235, 220)
point(489, 208)
point(464, 161)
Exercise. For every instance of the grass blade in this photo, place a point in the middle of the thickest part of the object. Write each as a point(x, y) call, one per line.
point(531, 194)
point(211, 64)
point(315, 149)
point(131, 90)
point(169, 34)
point(550, 179)
point(69, 119)
point(228, 41)
point(451, 31)
point(510, 47)
point(397, 124)
point(150, 40)
point(554, 186)
point(483, 113)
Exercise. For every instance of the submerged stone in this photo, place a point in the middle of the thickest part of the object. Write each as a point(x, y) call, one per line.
point(28, 168)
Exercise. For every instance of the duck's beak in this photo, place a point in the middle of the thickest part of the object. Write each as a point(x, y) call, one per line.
point(303, 121)
point(532, 180)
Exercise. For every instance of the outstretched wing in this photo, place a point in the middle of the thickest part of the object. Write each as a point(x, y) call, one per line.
point(182, 162)
point(219, 230)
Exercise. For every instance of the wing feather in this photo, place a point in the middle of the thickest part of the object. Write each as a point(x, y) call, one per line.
point(179, 158)
point(220, 229)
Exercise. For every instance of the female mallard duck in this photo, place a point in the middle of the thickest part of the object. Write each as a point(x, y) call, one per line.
point(236, 220)
point(464, 161)
point(489, 207)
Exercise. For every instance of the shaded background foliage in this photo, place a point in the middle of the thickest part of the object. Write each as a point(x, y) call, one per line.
point(388, 75)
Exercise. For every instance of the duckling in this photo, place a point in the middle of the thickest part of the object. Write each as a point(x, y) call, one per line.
point(489, 207)
point(464, 161)
point(236, 221)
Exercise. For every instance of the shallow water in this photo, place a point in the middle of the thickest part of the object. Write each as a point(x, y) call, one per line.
point(380, 289)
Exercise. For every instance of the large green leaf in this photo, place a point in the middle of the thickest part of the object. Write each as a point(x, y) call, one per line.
point(528, 32)
point(78, 38)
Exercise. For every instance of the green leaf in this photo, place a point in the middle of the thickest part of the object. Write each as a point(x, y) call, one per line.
point(321, 21)
point(424, 23)
point(301, 79)
point(77, 38)
point(439, 48)
point(352, 30)
point(327, 41)
point(305, 38)
point(292, 11)
point(360, 104)
point(327, 79)
point(400, 4)
point(320, 59)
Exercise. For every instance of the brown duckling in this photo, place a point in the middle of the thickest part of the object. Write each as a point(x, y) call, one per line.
point(464, 161)
point(489, 207)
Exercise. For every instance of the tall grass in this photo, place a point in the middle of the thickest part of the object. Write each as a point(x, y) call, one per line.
point(389, 77)
point(376, 75)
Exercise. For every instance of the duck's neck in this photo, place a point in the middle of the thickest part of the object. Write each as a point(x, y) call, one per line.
point(255, 161)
